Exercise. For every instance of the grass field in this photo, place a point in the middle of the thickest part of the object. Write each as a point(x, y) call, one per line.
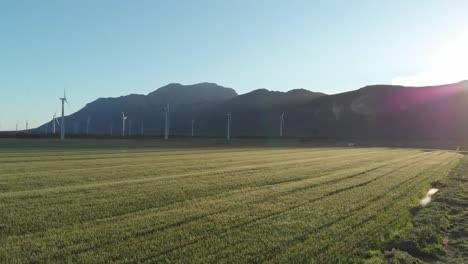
point(207, 205)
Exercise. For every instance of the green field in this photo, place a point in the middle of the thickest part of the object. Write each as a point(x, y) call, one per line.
point(207, 204)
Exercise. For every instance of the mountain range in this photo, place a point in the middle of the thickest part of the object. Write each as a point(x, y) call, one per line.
point(372, 112)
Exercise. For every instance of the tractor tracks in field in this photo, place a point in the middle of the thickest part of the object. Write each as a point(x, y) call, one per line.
point(341, 165)
point(198, 217)
point(164, 151)
point(126, 155)
point(289, 208)
point(408, 195)
point(213, 172)
point(303, 237)
point(163, 160)
point(136, 161)
point(114, 154)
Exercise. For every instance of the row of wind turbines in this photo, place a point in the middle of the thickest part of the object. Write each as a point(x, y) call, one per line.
point(61, 123)
point(55, 121)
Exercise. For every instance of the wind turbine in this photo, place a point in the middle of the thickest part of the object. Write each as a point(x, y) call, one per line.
point(229, 126)
point(166, 123)
point(123, 123)
point(54, 120)
point(281, 124)
point(27, 129)
point(62, 124)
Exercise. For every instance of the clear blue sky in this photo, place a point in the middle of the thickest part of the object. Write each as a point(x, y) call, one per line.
point(112, 48)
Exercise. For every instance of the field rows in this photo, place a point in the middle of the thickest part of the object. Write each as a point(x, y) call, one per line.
point(207, 205)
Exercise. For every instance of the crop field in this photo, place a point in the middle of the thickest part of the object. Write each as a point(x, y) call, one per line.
point(207, 205)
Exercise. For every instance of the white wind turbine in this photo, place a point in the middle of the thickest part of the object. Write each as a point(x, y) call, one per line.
point(54, 121)
point(123, 123)
point(281, 124)
point(62, 124)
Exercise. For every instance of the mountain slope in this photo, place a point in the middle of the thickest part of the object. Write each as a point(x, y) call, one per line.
point(372, 112)
point(253, 114)
point(386, 112)
point(264, 99)
point(145, 112)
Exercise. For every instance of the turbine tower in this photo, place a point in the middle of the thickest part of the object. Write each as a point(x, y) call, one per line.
point(27, 129)
point(54, 121)
point(166, 122)
point(281, 124)
point(123, 123)
point(62, 124)
point(228, 136)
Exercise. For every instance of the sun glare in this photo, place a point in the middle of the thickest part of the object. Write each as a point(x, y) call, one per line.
point(452, 58)
point(448, 65)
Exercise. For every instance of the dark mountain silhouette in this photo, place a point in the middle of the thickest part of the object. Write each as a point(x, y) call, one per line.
point(179, 94)
point(253, 114)
point(145, 112)
point(265, 99)
point(386, 112)
point(372, 112)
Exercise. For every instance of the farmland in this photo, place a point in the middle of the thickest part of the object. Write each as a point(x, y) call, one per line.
point(207, 204)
